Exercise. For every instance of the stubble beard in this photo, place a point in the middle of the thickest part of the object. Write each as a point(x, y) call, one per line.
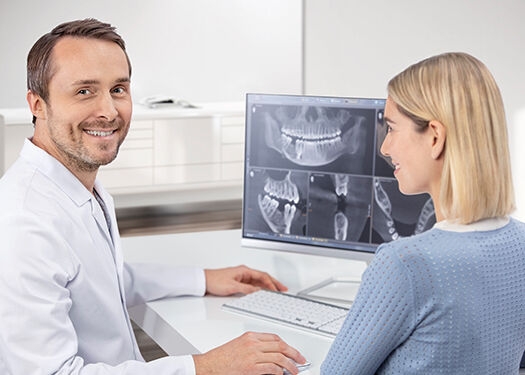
point(79, 156)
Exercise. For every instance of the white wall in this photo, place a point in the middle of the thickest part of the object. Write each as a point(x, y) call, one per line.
point(200, 50)
point(208, 50)
point(353, 47)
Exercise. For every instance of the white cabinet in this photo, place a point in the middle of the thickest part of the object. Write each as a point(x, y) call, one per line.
point(232, 148)
point(193, 153)
point(133, 166)
point(171, 155)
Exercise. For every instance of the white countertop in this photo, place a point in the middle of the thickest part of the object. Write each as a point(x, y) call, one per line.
point(22, 115)
point(197, 324)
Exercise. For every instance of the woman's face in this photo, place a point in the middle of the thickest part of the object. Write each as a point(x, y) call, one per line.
point(410, 152)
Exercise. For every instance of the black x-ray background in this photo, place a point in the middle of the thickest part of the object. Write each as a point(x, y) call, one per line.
point(324, 204)
point(254, 186)
point(383, 168)
point(261, 155)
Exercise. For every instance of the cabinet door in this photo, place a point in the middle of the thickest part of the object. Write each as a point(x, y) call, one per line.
point(232, 152)
point(187, 141)
point(137, 149)
point(13, 140)
point(133, 166)
point(187, 150)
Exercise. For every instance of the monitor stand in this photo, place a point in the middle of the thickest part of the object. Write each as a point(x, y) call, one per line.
point(337, 290)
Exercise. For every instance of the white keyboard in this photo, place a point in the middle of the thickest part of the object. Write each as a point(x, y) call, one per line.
point(318, 317)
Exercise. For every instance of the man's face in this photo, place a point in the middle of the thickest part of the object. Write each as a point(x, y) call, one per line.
point(87, 114)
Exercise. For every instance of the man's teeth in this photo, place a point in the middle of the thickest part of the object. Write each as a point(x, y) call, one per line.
point(99, 133)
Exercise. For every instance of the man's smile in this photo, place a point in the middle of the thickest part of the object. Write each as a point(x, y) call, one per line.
point(100, 133)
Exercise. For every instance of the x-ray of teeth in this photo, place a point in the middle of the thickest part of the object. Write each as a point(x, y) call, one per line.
point(393, 216)
point(276, 201)
point(341, 184)
point(427, 217)
point(284, 189)
point(313, 141)
point(383, 222)
point(339, 207)
point(340, 226)
point(302, 137)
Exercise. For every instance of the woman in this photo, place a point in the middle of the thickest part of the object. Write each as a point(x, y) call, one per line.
point(450, 300)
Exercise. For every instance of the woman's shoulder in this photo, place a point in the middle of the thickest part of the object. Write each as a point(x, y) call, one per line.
point(424, 253)
point(410, 244)
point(517, 223)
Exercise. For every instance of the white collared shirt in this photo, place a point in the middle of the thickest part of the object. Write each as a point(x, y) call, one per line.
point(481, 225)
point(64, 286)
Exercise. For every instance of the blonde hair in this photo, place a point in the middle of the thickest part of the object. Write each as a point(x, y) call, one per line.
point(458, 90)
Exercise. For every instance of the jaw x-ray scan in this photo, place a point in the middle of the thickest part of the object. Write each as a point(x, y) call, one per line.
point(314, 174)
point(277, 201)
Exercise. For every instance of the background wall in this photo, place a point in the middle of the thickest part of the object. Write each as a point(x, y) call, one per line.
point(207, 50)
point(352, 48)
point(199, 50)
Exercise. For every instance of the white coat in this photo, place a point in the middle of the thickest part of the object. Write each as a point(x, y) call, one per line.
point(64, 286)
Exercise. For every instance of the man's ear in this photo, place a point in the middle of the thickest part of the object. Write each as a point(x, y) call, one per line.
point(439, 136)
point(37, 106)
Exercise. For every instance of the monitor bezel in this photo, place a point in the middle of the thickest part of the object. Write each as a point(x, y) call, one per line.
point(332, 252)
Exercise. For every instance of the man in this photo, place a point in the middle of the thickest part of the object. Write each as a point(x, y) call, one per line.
point(64, 286)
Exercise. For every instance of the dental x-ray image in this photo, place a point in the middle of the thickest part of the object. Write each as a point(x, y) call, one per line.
point(276, 201)
point(397, 215)
point(329, 139)
point(314, 175)
point(339, 207)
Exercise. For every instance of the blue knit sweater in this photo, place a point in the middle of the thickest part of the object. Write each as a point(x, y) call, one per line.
point(442, 302)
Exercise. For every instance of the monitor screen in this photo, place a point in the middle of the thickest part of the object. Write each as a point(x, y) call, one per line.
point(315, 181)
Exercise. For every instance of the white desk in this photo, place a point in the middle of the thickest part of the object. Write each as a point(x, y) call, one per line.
point(193, 324)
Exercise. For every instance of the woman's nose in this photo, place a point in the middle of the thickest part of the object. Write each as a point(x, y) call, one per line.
point(384, 147)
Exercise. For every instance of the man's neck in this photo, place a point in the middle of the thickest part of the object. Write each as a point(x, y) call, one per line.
point(85, 176)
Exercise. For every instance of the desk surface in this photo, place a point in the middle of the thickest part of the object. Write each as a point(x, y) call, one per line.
point(193, 324)
point(188, 325)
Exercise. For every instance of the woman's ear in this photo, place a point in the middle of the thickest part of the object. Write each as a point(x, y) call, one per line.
point(37, 106)
point(439, 135)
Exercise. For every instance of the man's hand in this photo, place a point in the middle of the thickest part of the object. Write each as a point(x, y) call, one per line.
point(250, 354)
point(240, 279)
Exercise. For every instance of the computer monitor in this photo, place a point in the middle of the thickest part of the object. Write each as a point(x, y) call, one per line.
point(315, 181)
